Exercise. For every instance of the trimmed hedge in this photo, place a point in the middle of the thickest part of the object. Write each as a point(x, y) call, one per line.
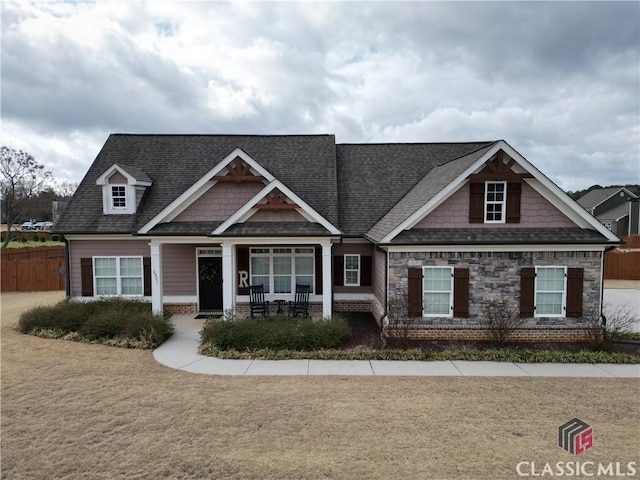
point(114, 321)
point(494, 355)
point(278, 334)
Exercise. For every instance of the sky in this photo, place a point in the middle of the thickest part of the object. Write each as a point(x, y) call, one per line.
point(559, 81)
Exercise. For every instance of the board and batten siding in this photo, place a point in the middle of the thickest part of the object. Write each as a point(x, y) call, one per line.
point(79, 249)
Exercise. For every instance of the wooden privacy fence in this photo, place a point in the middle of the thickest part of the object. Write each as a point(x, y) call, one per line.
point(32, 269)
point(622, 265)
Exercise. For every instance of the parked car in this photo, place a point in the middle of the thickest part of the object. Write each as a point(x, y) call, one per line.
point(28, 225)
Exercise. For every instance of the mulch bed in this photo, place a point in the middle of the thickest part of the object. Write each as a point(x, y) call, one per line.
point(365, 332)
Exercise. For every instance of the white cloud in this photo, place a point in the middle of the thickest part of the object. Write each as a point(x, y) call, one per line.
point(559, 81)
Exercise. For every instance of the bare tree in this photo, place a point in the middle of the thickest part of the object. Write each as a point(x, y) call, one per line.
point(21, 177)
point(501, 318)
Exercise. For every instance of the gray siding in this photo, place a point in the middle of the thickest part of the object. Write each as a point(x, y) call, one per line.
point(179, 269)
point(108, 248)
point(354, 248)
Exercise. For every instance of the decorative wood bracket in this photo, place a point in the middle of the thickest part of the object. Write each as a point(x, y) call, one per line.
point(238, 171)
point(496, 169)
point(276, 200)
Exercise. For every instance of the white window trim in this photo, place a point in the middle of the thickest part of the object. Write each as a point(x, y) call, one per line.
point(114, 197)
point(564, 293)
point(487, 202)
point(357, 283)
point(450, 292)
point(129, 198)
point(118, 276)
point(293, 255)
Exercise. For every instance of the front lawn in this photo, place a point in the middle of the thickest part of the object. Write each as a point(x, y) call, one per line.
point(111, 321)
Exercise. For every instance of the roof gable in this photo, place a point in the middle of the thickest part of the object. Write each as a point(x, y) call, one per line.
point(474, 165)
point(373, 178)
point(305, 163)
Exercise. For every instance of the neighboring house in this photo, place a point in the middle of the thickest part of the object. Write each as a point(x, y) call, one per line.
point(615, 207)
point(190, 221)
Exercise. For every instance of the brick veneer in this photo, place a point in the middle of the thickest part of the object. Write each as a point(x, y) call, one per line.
point(561, 335)
point(180, 308)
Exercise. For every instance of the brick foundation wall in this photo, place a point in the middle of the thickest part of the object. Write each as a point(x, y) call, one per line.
point(243, 310)
point(555, 335)
point(352, 306)
point(180, 308)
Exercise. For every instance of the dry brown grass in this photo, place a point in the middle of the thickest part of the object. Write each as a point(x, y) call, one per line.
point(72, 410)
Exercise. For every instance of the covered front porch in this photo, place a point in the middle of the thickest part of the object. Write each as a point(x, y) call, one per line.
point(205, 275)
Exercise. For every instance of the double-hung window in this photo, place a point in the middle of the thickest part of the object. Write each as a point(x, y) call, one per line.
point(119, 197)
point(280, 269)
point(118, 275)
point(495, 201)
point(437, 291)
point(352, 270)
point(550, 291)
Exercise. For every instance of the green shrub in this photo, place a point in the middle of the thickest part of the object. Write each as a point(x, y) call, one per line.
point(517, 356)
point(278, 334)
point(131, 322)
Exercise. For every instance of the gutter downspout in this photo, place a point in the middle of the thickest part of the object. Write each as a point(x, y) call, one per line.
point(67, 272)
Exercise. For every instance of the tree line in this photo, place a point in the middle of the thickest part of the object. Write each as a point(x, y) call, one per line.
point(27, 189)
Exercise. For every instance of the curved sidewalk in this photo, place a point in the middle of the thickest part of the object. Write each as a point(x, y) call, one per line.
point(181, 352)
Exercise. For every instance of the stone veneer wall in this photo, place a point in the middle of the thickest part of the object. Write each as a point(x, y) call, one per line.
point(498, 273)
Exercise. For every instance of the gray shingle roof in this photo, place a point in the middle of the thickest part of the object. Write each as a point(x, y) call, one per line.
point(304, 163)
point(497, 236)
point(595, 197)
point(432, 183)
point(138, 173)
point(615, 213)
point(372, 178)
point(185, 228)
point(275, 229)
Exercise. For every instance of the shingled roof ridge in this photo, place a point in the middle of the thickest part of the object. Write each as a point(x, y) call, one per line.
point(487, 145)
point(255, 135)
point(485, 142)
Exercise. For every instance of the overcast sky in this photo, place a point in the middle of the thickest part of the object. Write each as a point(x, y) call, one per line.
point(560, 82)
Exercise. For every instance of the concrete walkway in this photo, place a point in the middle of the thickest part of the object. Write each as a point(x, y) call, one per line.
point(181, 352)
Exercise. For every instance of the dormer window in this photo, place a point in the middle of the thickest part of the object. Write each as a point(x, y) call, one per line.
point(119, 196)
point(122, 189)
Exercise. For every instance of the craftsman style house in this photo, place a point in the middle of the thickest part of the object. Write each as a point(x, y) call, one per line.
point(190, 221)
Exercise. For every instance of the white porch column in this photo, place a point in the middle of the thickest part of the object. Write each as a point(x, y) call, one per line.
point(326, 280)
point(156, 277)
point(228, 277)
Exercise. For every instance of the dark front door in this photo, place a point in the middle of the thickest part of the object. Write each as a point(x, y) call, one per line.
point(210, 283)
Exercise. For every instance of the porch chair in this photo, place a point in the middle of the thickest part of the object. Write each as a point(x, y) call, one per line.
point(257, 302)
point(300, 303)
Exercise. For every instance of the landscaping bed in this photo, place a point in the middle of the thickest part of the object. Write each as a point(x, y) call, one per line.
point(111, 321)
point(364, 343)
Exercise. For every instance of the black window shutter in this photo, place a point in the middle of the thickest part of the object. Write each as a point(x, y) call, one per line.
point(461, 292)
point(575, 282)
point(338, 270)
point(242, 261)
point(86, 277)
point(414, 297)
point(146, 271)
point(514, 193)
point(527, 286)
point(318, 267)
point(365, 270)
point(476, 202)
